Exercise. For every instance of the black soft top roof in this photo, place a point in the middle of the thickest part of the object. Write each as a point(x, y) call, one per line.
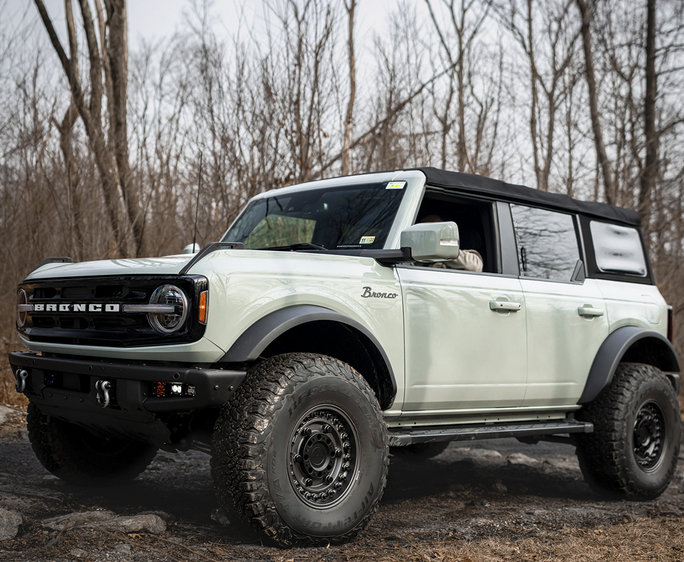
point(522, 194)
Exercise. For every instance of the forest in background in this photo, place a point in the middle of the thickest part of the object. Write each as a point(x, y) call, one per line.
point(100, 144)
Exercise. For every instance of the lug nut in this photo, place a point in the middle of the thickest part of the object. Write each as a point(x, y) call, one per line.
point(343, 476)
point(326, 428)
point(329, 478)
point(308, 482)
point(347, 457)
point(345, 466)
point(297, 458)
point(338, 452)
point(308, 431)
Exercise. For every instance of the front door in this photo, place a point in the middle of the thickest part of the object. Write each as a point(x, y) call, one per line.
point(466, 341)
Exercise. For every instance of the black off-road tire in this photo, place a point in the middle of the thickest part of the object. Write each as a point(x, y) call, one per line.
point(632, 453)
point(75, 455)
point(302, 450)
point(420, 451)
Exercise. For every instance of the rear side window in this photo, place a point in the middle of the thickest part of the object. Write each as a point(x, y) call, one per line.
point(547, 243)
point(618, 249)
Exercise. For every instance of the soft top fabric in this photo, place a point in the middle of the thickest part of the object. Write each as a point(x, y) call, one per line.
point(521, 194)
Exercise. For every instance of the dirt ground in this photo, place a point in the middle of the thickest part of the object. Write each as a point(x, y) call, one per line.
point(490, 500)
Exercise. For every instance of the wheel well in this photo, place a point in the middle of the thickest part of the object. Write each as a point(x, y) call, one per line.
point(344, 343)
point(651, 351)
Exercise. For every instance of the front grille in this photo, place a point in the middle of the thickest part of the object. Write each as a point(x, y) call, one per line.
point(59, 322)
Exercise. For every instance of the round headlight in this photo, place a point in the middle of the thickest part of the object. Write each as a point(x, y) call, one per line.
point(22, 300)
point(171, 321)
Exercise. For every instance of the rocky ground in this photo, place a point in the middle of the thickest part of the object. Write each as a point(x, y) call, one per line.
point(491, 500)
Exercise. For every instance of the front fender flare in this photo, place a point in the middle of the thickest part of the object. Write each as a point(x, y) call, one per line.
point(614, 349)
point(253, 341)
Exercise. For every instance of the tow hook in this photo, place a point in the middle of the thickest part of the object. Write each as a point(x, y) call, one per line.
point(102, 389)
point(21, 375)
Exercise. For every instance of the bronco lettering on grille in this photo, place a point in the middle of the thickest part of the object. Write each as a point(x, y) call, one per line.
point(77, 307)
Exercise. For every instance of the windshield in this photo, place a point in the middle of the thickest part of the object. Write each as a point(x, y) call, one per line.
point(353, 216)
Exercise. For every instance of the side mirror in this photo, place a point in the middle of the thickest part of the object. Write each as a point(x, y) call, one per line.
point(431, 241)
point(191, 249)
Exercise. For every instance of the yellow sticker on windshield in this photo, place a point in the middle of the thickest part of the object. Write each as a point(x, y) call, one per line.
point(367, 240)
point(396, 185)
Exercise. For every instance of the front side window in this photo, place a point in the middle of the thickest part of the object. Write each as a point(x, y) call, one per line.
point(349, 217)
point(618, 249)
point(547, 243)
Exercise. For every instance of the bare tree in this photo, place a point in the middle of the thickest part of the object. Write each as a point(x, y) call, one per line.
point(111, 149)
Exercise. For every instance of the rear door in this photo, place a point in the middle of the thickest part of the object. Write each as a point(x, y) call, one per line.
point(566, 316)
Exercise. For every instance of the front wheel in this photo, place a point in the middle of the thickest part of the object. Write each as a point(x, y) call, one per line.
point(302, 450)
point(79, 457)
point(633, 450)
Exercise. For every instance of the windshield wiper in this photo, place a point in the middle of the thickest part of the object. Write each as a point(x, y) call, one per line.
point(299, 246)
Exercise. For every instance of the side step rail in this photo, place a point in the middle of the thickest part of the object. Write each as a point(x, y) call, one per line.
point(409, 436)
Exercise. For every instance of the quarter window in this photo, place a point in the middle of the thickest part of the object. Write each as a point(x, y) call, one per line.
point(547, 243)
point(617, 248)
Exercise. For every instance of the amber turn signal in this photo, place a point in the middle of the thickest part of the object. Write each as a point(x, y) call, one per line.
point(203, 307)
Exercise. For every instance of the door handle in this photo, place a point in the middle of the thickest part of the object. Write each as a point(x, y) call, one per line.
point(588, 310)
point(506, 306)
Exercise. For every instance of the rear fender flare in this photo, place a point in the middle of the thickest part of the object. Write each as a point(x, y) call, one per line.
point(617, 347)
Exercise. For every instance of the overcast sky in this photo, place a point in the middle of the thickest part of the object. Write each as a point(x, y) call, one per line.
point(158, 19)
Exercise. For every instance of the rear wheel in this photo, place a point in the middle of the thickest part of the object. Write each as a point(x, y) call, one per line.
point(301, 450)
point(633, 450)
point(79, 457)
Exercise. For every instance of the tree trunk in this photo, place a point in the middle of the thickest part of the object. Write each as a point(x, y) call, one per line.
point(649, 172)
point(349, 117)
point(601, 154)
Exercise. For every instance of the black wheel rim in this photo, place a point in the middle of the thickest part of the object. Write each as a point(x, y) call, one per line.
point(649, 436)
point(322, 456)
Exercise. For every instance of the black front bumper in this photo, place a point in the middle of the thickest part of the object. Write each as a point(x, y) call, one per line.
point(134, 410)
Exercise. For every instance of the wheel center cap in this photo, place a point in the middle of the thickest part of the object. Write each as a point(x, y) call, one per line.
point(318, 456)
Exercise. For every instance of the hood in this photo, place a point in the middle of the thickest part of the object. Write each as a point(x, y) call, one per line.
point(167, 265)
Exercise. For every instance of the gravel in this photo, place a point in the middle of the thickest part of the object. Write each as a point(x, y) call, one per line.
point(489, 500)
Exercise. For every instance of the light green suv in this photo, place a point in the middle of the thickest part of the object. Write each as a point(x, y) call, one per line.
point(338, 319)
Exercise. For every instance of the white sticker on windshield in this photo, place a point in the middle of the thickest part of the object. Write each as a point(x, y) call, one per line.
point(396, 185)
point(367, 240)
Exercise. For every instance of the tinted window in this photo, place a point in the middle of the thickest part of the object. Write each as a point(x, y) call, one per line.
point(547, 243)
point(618, 248)
point(356, 216)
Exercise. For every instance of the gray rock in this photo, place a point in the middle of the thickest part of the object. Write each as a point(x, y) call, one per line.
point(80, 519)
point(107, 520)
point(78, 553)
point(520, 458)
point(134, 524)
point(122, 549)
point(9, 524)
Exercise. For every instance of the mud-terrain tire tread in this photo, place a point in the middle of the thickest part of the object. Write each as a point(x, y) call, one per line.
point(55, 443)
point(242, 432)
point(603, 454)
